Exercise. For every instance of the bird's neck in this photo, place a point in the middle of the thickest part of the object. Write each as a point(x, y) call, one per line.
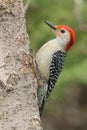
point(60, 43)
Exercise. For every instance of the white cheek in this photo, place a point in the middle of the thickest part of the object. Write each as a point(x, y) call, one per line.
point(63, 40)
point(66, 38)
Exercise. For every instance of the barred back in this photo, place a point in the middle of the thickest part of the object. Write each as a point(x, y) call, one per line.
point(56, 66)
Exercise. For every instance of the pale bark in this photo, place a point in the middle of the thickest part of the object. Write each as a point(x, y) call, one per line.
point(26, 6)
point(18, 85)
point(78, 14)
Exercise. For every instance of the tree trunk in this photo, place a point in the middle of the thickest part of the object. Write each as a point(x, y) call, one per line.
point(18, 86)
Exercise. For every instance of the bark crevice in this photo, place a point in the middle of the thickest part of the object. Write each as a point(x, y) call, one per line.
point(18, 84)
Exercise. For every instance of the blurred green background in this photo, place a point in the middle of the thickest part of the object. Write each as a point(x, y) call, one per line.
point(66, 108)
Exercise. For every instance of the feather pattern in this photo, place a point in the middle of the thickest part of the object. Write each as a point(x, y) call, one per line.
point(56, 66)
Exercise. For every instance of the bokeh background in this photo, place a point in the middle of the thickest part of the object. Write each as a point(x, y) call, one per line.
point(66, 108)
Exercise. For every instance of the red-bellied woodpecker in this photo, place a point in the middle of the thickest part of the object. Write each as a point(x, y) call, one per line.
point(50, 59)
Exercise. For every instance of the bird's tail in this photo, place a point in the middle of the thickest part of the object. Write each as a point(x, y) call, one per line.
point(42, 96)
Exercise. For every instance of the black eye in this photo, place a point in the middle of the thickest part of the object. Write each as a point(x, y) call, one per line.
point(62, 31)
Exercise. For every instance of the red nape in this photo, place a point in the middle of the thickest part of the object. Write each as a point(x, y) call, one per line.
point(72, 35)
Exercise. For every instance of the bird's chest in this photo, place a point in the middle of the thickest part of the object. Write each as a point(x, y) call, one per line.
point(44, 59)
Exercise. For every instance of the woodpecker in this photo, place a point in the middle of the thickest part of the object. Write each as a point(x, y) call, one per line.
point(50, 59)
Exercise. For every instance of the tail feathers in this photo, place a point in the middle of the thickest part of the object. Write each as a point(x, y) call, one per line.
point(42, 97)
point(41, 108)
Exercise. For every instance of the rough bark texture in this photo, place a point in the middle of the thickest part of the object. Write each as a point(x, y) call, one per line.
point(18, 86)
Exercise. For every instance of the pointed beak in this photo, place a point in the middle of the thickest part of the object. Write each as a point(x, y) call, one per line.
point(50, 25)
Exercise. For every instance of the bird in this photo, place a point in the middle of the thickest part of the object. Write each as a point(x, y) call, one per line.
point(50, 60)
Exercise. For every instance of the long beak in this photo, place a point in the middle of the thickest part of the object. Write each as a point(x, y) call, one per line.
point(50, 25)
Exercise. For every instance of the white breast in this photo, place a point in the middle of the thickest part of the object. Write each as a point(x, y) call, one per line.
point(44, 57)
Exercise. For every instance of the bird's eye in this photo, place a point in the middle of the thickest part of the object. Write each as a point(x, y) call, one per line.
point(62, 31)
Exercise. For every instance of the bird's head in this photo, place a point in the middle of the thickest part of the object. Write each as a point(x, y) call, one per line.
point(65, 34)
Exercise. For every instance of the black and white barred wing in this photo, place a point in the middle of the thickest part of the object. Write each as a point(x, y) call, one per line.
point(56, 66)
